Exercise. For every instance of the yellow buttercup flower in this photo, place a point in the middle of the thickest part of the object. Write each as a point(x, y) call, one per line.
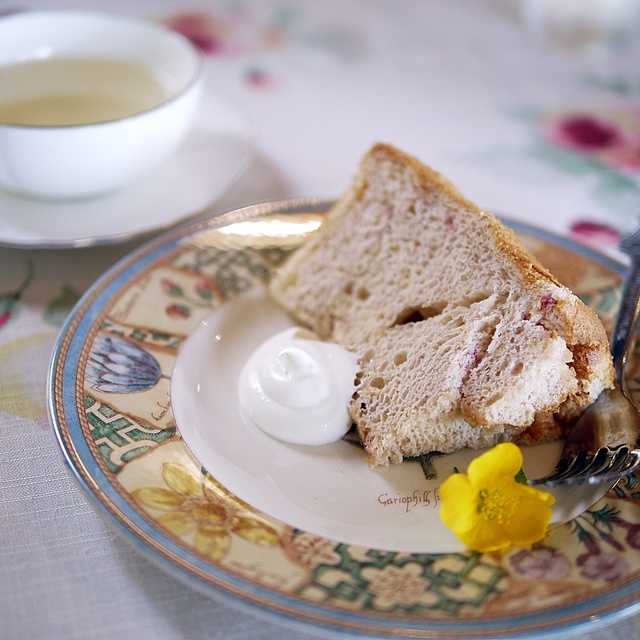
point(488, 509)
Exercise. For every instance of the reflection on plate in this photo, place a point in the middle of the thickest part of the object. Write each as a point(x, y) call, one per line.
point(204, 165)
point(327, 491)
point(116, 427)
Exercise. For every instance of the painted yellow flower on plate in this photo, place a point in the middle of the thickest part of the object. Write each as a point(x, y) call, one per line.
point(192, 506)
point(488, 509)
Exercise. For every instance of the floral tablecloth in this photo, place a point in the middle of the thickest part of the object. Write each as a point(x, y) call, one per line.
point(534, 132)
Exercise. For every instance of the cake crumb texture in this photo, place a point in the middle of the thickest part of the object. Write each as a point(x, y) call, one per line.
point(464, 338)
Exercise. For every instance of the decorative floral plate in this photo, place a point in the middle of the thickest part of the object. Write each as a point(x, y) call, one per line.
point(397, 507)
point(110, 403)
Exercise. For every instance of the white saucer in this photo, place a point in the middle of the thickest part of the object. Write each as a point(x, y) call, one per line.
point(200, 170)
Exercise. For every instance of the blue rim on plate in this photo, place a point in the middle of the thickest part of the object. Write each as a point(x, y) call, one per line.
point(109, 403)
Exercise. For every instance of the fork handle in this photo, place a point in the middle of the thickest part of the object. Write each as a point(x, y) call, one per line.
point(623, 333)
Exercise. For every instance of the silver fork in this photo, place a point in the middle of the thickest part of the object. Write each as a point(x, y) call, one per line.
point(604, 443)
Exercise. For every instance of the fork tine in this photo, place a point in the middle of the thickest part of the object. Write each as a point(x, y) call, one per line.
point(583, 466)
point(595, 466)
point(626, 462)
point(601, 463)
point(604, 466)
point(565, 469)
point(623, 465)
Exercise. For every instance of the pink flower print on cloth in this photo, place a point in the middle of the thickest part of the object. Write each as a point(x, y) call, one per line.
point(233, 31)
point(611, 137)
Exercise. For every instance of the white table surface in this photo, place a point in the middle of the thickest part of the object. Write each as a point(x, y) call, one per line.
point(459, 83)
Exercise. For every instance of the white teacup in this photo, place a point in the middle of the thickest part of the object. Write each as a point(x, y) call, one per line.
point(90, 102)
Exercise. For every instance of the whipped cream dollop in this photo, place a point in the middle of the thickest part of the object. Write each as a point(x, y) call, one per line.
point(297, 388)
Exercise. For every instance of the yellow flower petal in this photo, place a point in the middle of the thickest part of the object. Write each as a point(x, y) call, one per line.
point(178, 522)
point(158, 497)
point(257, 532)
point(459, 503)
point(217, 493)
point(180, 480)
point(529, 523)
point(213, 541)
point(544, 496)
point(504, 460)
point(486, 538)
